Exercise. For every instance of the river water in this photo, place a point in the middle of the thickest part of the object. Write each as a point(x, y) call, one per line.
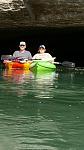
point(41, 111)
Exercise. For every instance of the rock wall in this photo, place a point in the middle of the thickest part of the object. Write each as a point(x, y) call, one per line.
point(43, 13)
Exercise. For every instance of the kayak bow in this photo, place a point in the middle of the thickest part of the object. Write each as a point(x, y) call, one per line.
point(40, 65)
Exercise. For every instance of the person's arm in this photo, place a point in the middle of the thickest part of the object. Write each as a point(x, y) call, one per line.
point(49, 57)
point(36, 56)
point(15, 54)
point(30, 56)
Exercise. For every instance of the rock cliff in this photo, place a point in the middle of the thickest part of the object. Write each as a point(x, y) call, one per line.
point(43, 13)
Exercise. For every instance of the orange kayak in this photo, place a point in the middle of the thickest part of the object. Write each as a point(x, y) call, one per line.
point(17, 65)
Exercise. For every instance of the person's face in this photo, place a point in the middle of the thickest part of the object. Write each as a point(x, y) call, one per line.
point(41, 50)
point(22, 47)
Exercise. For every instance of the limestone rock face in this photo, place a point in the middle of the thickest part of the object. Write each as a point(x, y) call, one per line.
point(44, 13)
point(6, 5)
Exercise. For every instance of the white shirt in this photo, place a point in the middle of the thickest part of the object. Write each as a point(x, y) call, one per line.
point(44, 56)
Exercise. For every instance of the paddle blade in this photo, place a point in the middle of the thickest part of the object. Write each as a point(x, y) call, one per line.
point(6, 57)
point(68, 64)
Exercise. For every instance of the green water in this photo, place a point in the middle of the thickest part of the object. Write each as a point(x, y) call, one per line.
point(41, 112)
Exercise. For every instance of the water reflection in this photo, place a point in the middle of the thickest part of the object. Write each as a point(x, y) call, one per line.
point(18, 76)
point(36, 83)
point(43, 112)
point(44, 83)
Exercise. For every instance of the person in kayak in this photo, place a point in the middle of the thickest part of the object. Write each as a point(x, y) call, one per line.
point(22, 53)
point(42, 55)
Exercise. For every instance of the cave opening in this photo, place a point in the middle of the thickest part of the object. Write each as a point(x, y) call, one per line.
point(66, 44)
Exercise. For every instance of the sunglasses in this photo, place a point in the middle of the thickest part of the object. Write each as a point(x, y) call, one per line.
point(22, 45)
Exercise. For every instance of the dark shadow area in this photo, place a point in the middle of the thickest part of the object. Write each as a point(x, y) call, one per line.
point(66, 44)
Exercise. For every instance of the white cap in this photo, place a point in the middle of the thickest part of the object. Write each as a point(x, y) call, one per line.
point(42, 46)
point(22, 43)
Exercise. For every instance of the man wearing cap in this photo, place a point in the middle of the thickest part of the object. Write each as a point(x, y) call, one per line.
point(22, 53)
point(42, 55)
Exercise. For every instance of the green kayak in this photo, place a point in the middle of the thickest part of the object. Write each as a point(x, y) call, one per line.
point(42, 66)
